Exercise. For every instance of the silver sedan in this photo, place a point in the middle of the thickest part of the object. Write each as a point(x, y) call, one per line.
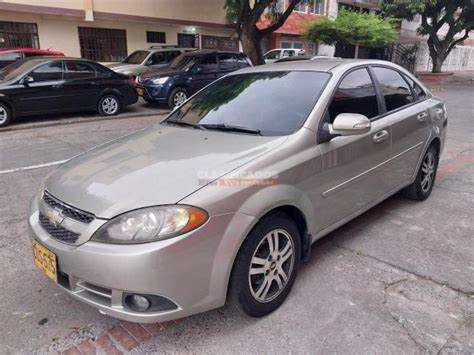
point(223, 199)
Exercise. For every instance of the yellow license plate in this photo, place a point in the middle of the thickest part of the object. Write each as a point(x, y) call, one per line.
point(45, 261)
point(140, 92)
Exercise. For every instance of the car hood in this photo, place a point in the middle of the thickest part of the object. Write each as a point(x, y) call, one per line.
point(122, 66)
point(165, 71)
point(156, 166)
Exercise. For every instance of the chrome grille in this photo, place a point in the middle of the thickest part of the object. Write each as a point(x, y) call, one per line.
point(56, 231)
point(66, 210)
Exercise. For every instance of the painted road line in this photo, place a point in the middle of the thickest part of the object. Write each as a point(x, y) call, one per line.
point(32, 167)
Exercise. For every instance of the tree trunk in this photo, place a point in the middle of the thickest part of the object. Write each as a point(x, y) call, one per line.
point(356, 53)
point(250, 39)
point(438, 60)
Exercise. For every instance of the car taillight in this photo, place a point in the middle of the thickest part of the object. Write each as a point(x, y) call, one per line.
point(131, 80)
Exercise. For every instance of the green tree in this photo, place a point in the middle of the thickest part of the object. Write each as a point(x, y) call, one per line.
point(245, 14)
point(456, 16)
point(354, 28)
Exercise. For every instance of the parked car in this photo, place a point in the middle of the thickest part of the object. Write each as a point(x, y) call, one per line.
point(144, 59)
point(187, 74)
point(224, 198)
point(10, 55)
point(305, 57)
point(278, 53)
point(50, 85)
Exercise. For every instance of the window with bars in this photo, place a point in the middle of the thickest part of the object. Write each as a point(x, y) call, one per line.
point(186, 40)
point(318, 7)
point(155, 37)
point(103, 44)
point(18, 34)
point(301, 6)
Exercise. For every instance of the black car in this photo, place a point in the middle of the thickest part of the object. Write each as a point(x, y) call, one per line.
point(49, 85)
point(187, 74)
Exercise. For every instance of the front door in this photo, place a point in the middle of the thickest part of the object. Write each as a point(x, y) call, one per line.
point(45, 92)
point(204, 73)
point(354, 170)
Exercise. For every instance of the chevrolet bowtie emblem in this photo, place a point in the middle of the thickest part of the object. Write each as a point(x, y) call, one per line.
point(55, 217)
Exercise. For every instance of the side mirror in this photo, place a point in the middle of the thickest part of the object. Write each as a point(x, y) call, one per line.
point(349, 124)
point(27, 80)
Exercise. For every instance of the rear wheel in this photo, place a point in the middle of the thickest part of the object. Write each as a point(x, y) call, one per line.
point(5, 115)
point(177, 97)
point(424, 182)
point(266, 266)
point(109, 105)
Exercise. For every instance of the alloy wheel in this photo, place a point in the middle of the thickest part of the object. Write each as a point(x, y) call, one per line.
point(109, 105)
point(428, 168)
point(271, 265)
point(179, 98)
point(3, 115)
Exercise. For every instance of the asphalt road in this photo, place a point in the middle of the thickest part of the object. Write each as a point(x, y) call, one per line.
point(398, 279)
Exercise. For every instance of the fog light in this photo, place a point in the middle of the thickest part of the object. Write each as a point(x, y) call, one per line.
point(137, 303)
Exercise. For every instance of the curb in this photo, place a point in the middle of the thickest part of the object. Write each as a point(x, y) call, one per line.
point(120, 339)
point(60, 122)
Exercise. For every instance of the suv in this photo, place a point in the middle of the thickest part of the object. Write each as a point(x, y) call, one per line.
point(144, 59)
point(278, 53)
point(186, 75)
point(10, 55)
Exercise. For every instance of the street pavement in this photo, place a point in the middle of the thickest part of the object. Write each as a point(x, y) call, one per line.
point(398, 279)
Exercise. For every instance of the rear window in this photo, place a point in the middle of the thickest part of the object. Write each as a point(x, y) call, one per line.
point(275, 103)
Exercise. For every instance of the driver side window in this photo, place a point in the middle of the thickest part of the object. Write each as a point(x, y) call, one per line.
point(355, 94)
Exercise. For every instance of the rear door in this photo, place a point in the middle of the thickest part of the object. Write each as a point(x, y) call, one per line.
point(45, 93)
point(354, 171)
point(82, 85)
point(204, 72)
point(409, 118)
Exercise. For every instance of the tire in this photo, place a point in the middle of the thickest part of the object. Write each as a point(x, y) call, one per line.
point(5, 115)
point(177, 97)
point(109, 105)
point(423, 185)
point(263, 292)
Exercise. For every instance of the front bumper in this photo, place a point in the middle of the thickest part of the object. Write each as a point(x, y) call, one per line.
point(158, 93)
point(191, 271)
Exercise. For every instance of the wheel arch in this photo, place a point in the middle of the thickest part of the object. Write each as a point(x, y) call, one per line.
point(10, 106)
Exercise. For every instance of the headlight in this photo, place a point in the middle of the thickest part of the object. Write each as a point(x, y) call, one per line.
point(161, 80)
point(151, 224)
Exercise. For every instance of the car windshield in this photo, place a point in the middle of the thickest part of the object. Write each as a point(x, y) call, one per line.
point(136, 57)
point(183, 62)
point(267, 103)
point(15, 69)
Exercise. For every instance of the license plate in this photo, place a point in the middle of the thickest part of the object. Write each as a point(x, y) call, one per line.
point(140, 92)
point(45, 260)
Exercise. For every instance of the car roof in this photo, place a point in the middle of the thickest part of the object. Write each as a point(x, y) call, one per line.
point(28, 50)
point(327, 65)
point(168, 49)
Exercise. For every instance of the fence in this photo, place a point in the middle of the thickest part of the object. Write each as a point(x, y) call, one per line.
point(460, 58)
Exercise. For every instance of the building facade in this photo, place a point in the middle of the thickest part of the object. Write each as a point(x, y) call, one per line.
point(109, 30)
point(290, 35)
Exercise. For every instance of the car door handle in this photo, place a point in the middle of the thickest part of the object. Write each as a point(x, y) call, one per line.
point(380, 136)
point(422, 116)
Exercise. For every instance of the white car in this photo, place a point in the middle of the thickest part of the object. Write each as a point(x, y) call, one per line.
point(278, 53)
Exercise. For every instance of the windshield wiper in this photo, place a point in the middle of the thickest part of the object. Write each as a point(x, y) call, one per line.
point(231, 128)
point(184, 124)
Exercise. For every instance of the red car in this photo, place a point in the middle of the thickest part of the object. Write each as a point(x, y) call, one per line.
point(10, 55)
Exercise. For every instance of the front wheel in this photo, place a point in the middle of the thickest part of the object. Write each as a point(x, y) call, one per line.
point(109, 105)
point(421, 189)
point(266, 266)
point(177, 97)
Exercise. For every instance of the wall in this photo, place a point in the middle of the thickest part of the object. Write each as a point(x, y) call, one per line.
point(60, 32)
